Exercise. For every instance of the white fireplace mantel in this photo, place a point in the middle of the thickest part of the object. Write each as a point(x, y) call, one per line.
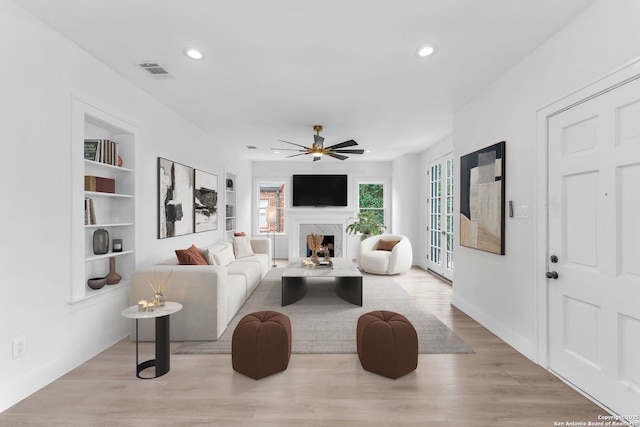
point(324, 221)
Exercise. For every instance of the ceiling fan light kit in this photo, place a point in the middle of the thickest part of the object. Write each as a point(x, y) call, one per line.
point(318, 150)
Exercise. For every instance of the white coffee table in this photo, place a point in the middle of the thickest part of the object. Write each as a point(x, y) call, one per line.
point(163, 342)
point(347, 277)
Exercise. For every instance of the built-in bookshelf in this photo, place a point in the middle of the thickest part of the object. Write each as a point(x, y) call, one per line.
point(230, 203)
point(104, 149)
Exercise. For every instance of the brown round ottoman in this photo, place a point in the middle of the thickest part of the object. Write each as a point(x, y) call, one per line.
point(261, 344)
point(387, 344)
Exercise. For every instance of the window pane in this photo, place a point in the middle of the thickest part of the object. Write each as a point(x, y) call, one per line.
point(271, 206)
point(371, 196)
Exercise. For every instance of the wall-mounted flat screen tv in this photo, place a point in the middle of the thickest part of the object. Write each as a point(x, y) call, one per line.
point(319, 190)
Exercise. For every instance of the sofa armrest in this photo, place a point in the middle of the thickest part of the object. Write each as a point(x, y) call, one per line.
point(261, 245)
point(202, 291)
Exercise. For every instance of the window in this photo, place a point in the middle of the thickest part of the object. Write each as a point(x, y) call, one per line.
point(372, 197)
point(271, 206)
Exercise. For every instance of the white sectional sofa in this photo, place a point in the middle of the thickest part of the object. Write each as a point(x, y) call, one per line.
point(210, 294)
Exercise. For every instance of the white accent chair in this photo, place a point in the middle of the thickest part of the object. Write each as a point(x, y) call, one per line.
point(396, 261)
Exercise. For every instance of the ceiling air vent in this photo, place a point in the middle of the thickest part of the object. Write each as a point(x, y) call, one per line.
point(155, 70)
point(252, 147)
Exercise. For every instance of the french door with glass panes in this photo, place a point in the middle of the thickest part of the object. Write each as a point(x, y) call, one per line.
point(440, 217)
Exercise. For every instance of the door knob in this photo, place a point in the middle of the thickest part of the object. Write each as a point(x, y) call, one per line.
point(552, 275)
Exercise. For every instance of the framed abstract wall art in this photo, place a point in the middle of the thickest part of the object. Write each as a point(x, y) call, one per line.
point(175, 199)
point(482, 199)
point(205, 201)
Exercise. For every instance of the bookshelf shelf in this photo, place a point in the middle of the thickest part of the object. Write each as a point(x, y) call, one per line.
point(114, 212)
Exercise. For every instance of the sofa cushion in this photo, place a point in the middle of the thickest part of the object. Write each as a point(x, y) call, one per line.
point(250, 270)
point(263, 260)
point(242, 246)
point(236, 294)
point(191, 256)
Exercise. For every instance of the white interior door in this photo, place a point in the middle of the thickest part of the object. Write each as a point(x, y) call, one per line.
point(594, 230)
point(440, 217)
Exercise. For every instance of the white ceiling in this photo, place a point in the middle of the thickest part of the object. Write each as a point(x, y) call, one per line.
point(275, 68)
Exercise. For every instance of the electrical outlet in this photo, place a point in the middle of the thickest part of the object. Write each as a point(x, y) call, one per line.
point(19, 347)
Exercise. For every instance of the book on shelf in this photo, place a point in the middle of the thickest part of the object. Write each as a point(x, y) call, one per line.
point(101, 151)
point(89, 212)
point(99, 184)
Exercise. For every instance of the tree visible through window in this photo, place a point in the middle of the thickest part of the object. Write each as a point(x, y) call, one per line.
point(371, 198)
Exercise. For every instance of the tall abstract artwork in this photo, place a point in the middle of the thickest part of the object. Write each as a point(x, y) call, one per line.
point(175, 199)
point(482, 199)
point(205, 200)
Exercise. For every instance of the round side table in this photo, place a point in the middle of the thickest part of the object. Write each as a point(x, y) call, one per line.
point(161, 314)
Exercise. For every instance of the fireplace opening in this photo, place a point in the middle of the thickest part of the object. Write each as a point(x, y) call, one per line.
point(327, 245)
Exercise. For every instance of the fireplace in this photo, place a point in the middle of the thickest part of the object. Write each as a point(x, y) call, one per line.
point(325, 222)
point(328, 243)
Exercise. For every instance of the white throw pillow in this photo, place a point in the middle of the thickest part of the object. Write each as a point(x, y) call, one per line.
point(242, 244)
point(208, 254)
point(224, 256)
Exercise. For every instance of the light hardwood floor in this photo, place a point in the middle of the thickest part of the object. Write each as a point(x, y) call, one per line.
point(494, 387)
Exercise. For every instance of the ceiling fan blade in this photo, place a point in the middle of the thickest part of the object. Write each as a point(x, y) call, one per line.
point(296, 155)
point(349, 143)
point(318, 140)
point(286, 149)
point(337, 156)
point(292, 143)
point(316, 158)
point(348, 151)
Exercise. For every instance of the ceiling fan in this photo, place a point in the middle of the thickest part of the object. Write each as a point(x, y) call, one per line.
point(318, 150)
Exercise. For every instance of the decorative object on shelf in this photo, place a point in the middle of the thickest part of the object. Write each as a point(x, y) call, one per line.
point(229, 185)
point(482, 191)
point(113, 278)
point(315, 243)
point(116, 245)
point(120, 161)
point(367, 224)
point(100, 241)
point(175, 197)
point(205, 200)
point(159, 299)
point(96, 282)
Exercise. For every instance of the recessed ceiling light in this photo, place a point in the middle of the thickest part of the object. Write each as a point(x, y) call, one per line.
point(193, 53)
point(425, 51)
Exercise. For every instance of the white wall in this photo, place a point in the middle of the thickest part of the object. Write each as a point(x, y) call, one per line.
point(355, 171)
point(404, 203)
point(499, 291)
point(39, 73)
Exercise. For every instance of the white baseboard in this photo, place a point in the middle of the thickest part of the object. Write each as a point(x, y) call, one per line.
point(518, 342)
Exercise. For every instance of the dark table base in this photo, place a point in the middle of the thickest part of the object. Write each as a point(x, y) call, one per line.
point(162, 360)
point(347, 288)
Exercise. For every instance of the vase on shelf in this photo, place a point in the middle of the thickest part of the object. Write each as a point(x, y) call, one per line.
point(113, 277)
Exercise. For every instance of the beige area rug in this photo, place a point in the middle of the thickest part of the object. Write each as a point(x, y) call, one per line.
point(322, 323)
